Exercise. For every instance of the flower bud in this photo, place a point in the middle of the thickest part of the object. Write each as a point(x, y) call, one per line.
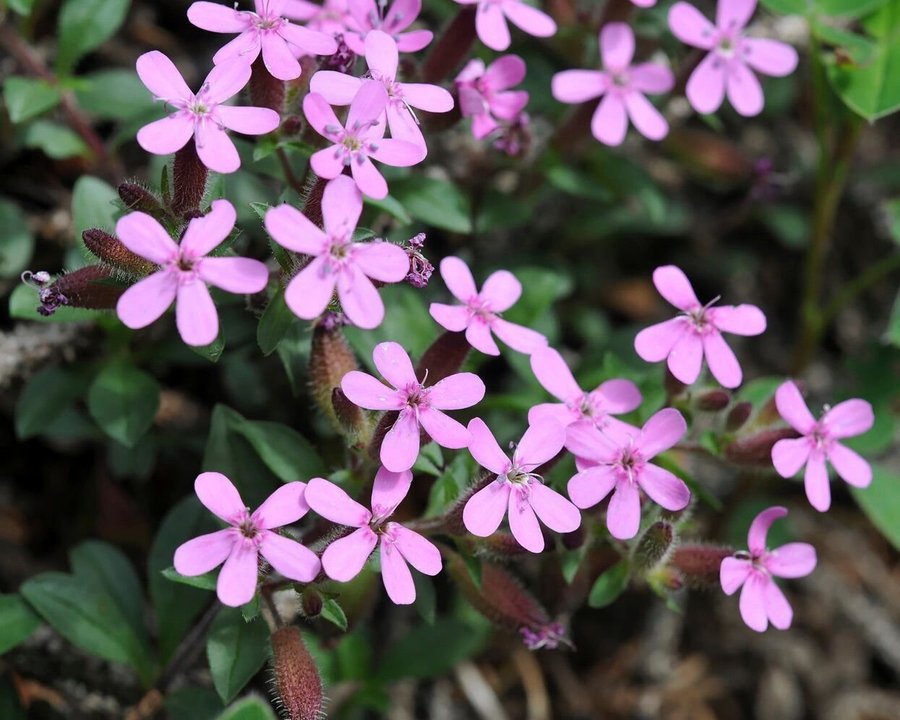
point(756, 450)
point(451, 47)
point(311, 602)
point(713, 400)
point(330, 358)
point(654, 545)
point(90, 287)
point(699, 564)
point(350, 416)
point(137, 197)
point(738, 416)
point(265, 90)
point(189, 176)
point(298, 686)
point(112, 251)
point(443, 357)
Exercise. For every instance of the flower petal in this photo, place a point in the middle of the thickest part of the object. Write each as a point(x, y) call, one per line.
point(195, 314)
point(554, 375)
point(235, 274)
point(585, 440)
point(429, 98)
point(398, 153)
point(664, 488)
point(484, 511)
point(501, 290)
point(454, 318)
point(523, 522)
point(778, 608)
point(236, 585)
point(540, 443)
point(759, 528)
point(794, 560)
point(292, 229)
point(284, 506)
point(578, 86)
point(655, 343)
point(623, 517)
point(381, 261)
point(744, 91)
point(147, 300)
point(590, 486)
point(555, 511)
point(208, 232)
point(216, 18)
point(364, 390)
point(395, 574)
point(645, 117)
point(652, 78)
point(278, 58)
point(418, 551)
point(793, 409)
point(333, 503)
point(161, 77)
point(619, 396)
point(732, 15)
point(309, 293)
point(723, 364)
point(815, 481)
point(769, 57)
point(166, 135)
point(610, 121)
point(505, 72)
point(850, 465)
point(485, 449)
point(215, 148)
point(733, 572)
point(368, 104)
point(551, 411)
point(368, 179)
point(226, 80)
point(359, 298)
point(248, 120)
point(388, 491)
point(616, 46)
point(686, 359)
point(456, 392)
point(311, 42)
point(336, 87)
point(478, 335)
point(400, 447)
point(201, 554)
point(144, 236)
point(674, 286)
point(528, 18)
point(753, 602)
point(849, 418)
point(661, 432)
point(443, 429)
point(738, 319)
point(320, 115)
point(789, 455)
point(394, 364)
point(490, 24)
point(518, 337)
point(690, 26)
point(706, 86)
point(382, 55)
point(345, 557)
point(289, 558)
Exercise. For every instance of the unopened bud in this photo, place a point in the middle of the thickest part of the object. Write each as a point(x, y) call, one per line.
point(312, 208)
point(298, 685)
point(654, 545)
point(738, 416)
point(698, 565)
point(265, 90)
point(90, 287)
point(330, 358)
point(137, 197)
point(713, 400)
point(189, 176)
point(349, 415)
point(112, 251)
point(501, 545)
point(443, 357)
point(311, 602)
point(756, 450)
point(451, 47)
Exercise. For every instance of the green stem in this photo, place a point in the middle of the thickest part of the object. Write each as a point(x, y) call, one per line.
point(858, 285)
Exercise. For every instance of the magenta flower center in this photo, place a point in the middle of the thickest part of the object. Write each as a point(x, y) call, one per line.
point(621, 79)
point(588, 406)
point(247, 528)
point(629, 464)
point(479, 308)
point(351, 144)
point(185, 266)
point(415, 396)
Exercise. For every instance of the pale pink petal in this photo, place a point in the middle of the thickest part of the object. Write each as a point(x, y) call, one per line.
point(655, 343)
point(167, 135)
point(454, 318)
point(195, 314)
point(759, 528)
point(651, 78)
point(337, 88)
point(508, 105)
point(400, 447)
point(209, 231)
point(161, 77)
point(554, 375)
point(301, 10)
point(203, 553)
point(769, 57)
point(327, 162)
point(414, 40)
point(505, 72)
point(443, 429)
point(721, 359)
point(398, 153)
point(753, 602)
point(664, 488)
point(794, 560)
point(793, 409)
point(144, 236)
point(578, 86)
point(733, 572)
point(278, 58)
point(215, 148)
point(419, 552)
point(430, 98)
point(236, 585)
point(732, 15)
point(686, 358)
point(584, 440)
point(320, 115)
point(690, 26)
point(540, 443)
point(501, 290)
point(744, 90)
point(309, 293)
point(490, 24)
point(553, 509)
point(484, 511)
point(738, 319)
point(706, 87)
point(369, 180)
point(216, 18)
point(528, 18)
point(523, 522)
point(309, 41)
point(360, 300)
point(610, 121)
point(146, 301)
point(815, 481)
point(849, 418)
point(591, 485)
point(674, 286)
point(394, 364)
point(283, 507)
point(661, 432)
point(403, 125)
point(368, 104)
point(789, 455)
point(342, 205)
point(381, 54)
point(395, 574)
point(289, 558)
point(623, 517)
point(458, 278)
point(518, 337)
point(344, 558)
point(382, 261)
point(478, 334)
point(292, 229)
point(388, 491)
point(485, 449)
point(402, 14)
point(333, 503)
point(248, 120)
point(245, 47)
point(367, 392)
point(483, 125)
point(226, 80)
point(616, 46)
point(850, 466)
point(551, 411)
point(646, 118)
point(619, 396)
point(457, 391)
point(778, 609)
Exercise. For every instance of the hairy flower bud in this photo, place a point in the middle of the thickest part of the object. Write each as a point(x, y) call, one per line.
point(265, 90)
point(349, 415)
point(311, 602)
point(298, 686)
point(92, 287)
point(738, 416)
point(713, 400)
point(189, 176)
point(756, 450)
point(330, 358)
point(137, 197)
point(699, 564)
point(112, 251)
point(451, 47)
point(443, 357)
point(654, 545)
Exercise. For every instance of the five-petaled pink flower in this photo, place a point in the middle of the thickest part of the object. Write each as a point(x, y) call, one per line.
point(622, 86)
point(361, 140)
point(623, 466)
point(478, 315)
point(685, 339)
point(517, 491)
point(382, 59)
point(184, 271)
point(727, 67)
point(363, 16)
point(820, 443)
point(484, 93)
point(330, 17)
point(249, 536)
point(338, 261)
point(344, 558)
point(490, 21)
point(265, 31)
point(203, 115)
point(613, 397)
point(762, 601)
point(416, 404)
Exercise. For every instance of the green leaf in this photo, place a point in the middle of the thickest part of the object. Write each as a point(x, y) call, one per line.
point(23, 7)
point(236, 650)
point(85, 25)
point(48, 392)
point(843, 8)
point(27, 98)
point(283, 450)
point(392, 207)
point(17, 245)
point(56, 141)
point(250, 708)
point(892, 335)
point(10, 704)
point(426, 597)
point(211, 352)
point(334, 613)
point(430, 650)
point(123, 400)
point(207, 581)
point(95, 204)
point(113, 94)
point(17, 622)
point(437, 202)
point(274, 323)
point(881, 502)
point(609, 585)
point(193, 703)
point(892, 210)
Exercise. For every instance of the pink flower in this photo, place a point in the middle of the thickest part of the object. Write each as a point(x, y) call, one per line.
point(338, 261)
point(622, 87)
point(685, 339)
point(365, 16)
point(330, 17)
point(727, 68)
point(484, 94)
point(820, 443)
point(624, 467)
point(249, 536)
point(478, 315)
point(361, 140)
point(344, 558)
point(417, 404)
point(202, 115)
point(490, 22)
point(644, 3)
point(762, 601)
point(184, 272)
point(263, 31)
point(613, 397)
point(517, 490)
point(382, 59)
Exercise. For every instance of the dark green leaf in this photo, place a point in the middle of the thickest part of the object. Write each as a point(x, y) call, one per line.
point(123, 400)
point(236, 650)
point(211, 352)
point(426, 597)
point(250, 708)
point(207, 581)
point(609, 585)
point(17, 622)
point(193, 703)
point(437, 202)
point(27, 98)
point(54, 140)
point(274, 323)
point(48, 393)
point(881, 502)
point(334, 613)
point(288, 454)
point(17, 245)
point(430, 650)
point(23, 7)
point(114, 94)
point(85, 25)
